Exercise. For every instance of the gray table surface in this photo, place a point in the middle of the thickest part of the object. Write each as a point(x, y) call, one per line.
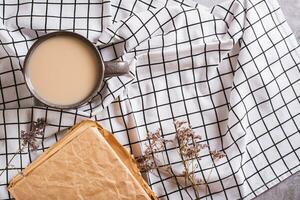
point(289, 189)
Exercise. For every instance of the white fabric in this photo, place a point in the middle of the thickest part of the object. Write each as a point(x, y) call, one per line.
point(231, 71)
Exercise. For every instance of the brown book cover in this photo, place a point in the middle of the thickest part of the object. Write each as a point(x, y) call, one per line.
point(87, 163)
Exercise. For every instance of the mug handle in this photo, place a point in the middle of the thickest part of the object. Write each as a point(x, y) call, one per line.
point(115, 68)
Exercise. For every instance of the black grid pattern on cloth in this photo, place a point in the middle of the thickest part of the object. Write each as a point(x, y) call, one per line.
point(232, 72)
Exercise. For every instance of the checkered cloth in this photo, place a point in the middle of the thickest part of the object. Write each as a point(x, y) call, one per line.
point(231, 71)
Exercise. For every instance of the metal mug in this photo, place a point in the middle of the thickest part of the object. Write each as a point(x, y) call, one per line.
point(107, 69)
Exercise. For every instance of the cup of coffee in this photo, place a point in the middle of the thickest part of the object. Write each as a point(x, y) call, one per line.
point(65, 70)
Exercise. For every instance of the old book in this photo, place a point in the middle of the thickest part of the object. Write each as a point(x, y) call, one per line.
point(87, 163)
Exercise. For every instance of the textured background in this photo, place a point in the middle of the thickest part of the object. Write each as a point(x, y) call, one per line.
point(290, 188)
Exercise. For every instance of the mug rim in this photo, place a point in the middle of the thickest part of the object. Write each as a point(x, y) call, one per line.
point(69, 34)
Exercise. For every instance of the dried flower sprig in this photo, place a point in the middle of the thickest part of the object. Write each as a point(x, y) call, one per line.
point(217, 155)
point(30, 139)
point(148, 162)
point(189, 148)
point(189, 143)
point(156, 142)
point(145, 163)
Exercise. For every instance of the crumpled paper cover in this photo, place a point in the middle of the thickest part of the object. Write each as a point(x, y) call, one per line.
point(87, 163)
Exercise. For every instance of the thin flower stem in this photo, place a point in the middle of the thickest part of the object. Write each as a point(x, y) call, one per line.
point(11, 159)
point(206, 185)
point(207, 180)
point(189, 175)
point(167, 171)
